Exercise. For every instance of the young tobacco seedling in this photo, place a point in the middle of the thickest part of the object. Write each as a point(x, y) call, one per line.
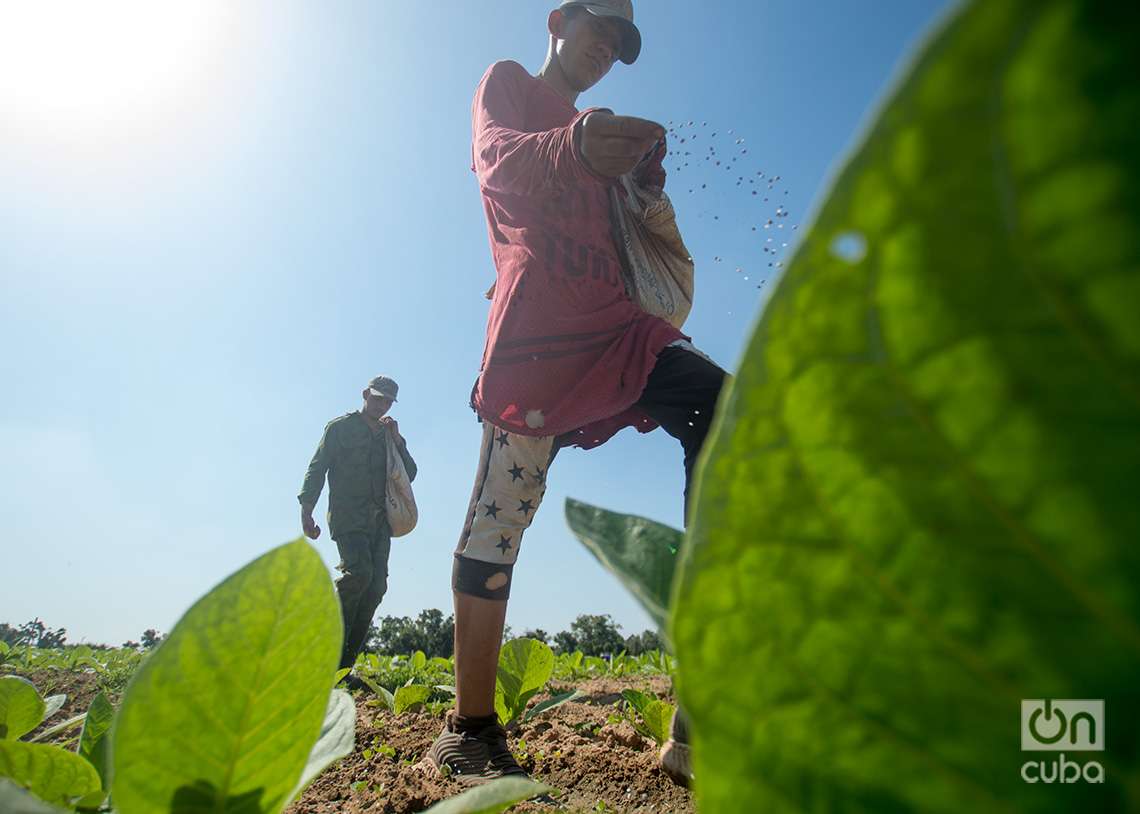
point(649, 716)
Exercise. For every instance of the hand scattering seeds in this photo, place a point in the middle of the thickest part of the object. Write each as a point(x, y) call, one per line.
point(722, 193)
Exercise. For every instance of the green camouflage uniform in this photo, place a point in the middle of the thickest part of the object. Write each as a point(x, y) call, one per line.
point(356, 460)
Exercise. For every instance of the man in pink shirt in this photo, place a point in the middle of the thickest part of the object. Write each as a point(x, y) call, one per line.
point(570, 358)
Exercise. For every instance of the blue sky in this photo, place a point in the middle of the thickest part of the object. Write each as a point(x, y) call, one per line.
point(215, 228)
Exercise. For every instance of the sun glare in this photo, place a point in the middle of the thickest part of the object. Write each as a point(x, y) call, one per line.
point(90, 60)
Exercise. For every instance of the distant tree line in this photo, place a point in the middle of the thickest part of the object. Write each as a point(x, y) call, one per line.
point(36, 634)
point(149, 639)
point(433, 633)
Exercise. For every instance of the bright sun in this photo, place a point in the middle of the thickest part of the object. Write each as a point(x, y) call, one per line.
point(84, 60)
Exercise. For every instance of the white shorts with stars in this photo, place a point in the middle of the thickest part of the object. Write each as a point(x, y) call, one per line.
point(509, 486)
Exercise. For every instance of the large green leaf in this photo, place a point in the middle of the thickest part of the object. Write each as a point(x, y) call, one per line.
point(656, 718)
point(553, 702)
point(53, 704)
point(407, 697)
point(21, 707)
point(48, 732)
point(337, 738)
point(95, 745)
point(653, 716)
point(491, 798)
point(223, 714)
point(525, 665)
point(49, 772)
point(920, 504)
point(641, 553)
point(384, 698)
point(637, 699)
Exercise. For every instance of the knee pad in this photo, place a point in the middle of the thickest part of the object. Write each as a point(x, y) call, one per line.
point(486, 580)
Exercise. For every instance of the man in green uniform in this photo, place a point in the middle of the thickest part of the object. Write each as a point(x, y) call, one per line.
point(354, 453)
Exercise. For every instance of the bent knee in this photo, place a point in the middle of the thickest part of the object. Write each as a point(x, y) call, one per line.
point(356, 573)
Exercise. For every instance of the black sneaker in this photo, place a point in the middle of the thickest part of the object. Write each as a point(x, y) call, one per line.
point(473, 757)
point(675, 757)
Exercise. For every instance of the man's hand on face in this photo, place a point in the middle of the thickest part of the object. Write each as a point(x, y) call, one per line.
point(613, 145)
point(312, 530)
point(392, 425)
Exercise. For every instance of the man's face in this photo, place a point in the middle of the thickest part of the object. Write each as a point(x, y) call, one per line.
point(587, 47)
point(376, 406)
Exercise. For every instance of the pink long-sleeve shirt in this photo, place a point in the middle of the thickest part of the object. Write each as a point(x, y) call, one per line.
point(567, 350)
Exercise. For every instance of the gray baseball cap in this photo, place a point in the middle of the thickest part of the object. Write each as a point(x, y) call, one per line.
point(621, 10)
point(383, 387)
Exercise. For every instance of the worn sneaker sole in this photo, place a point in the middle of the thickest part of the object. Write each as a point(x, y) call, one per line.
point(429, 767)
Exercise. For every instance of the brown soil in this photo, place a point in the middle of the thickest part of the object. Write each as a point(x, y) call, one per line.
point(572, 748)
